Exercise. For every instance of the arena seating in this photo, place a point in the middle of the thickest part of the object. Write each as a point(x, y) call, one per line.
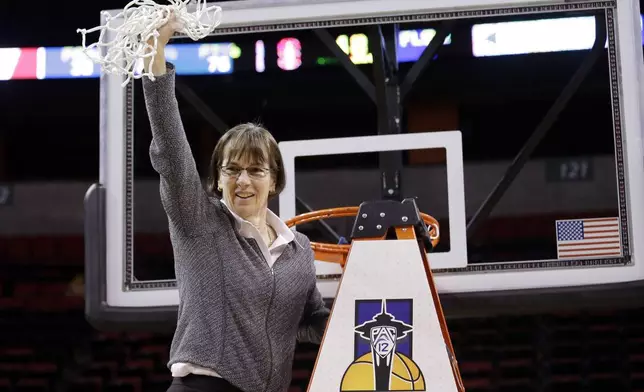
point(47, 345)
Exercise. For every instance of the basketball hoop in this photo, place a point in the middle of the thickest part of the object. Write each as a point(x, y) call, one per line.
point(337, 253)
point(366, 276)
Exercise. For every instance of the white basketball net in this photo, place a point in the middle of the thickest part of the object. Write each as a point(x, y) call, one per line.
point(136, 24)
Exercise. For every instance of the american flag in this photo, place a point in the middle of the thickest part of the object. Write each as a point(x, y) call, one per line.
point(583, 238)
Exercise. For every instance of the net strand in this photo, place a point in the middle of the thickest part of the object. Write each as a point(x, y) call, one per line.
point(138, 23)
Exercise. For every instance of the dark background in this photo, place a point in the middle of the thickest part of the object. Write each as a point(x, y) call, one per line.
point(49, 135)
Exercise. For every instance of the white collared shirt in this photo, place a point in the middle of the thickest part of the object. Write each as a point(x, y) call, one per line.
point(272, 253)
point(284, 234)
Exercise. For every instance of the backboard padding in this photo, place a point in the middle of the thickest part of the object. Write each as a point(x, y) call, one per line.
point(389, 271)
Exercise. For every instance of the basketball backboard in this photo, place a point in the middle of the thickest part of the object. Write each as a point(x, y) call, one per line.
point(543, 151)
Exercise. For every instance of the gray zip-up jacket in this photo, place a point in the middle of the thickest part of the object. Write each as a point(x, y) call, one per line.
point(237, 315)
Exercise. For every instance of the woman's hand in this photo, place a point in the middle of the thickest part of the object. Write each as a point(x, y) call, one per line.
point(165, 33)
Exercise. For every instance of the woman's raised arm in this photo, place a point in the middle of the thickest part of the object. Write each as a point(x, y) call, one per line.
point(182, 194)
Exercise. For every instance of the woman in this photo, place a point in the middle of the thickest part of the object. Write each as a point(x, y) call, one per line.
point(246, 282)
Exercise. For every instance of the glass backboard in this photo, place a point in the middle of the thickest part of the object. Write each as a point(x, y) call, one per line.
point(516, 125)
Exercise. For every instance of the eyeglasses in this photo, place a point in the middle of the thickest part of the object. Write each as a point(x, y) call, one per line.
point(253, 171)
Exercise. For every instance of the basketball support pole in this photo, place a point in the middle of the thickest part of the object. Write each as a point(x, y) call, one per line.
point(387, 93)
point(389, 245)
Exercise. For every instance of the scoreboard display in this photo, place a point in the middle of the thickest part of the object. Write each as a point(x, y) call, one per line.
point(286, 53)
point(290, 51)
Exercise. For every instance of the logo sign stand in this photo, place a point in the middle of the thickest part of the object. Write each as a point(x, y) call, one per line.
point(387, 330)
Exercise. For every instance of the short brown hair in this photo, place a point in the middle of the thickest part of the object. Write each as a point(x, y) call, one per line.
point(247, 141)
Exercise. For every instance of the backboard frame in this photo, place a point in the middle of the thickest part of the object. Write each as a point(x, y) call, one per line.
point(116, 159)
point(456, 257)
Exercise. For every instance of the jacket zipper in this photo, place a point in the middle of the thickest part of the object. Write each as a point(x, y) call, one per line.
point(268, 336)
point(268, 312)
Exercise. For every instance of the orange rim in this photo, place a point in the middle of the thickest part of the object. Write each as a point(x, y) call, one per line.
point(337, 253)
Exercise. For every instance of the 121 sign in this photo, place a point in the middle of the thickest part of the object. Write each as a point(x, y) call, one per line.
point(572, 169)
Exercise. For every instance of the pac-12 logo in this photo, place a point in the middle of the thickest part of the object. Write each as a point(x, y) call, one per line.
point(383, 344)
